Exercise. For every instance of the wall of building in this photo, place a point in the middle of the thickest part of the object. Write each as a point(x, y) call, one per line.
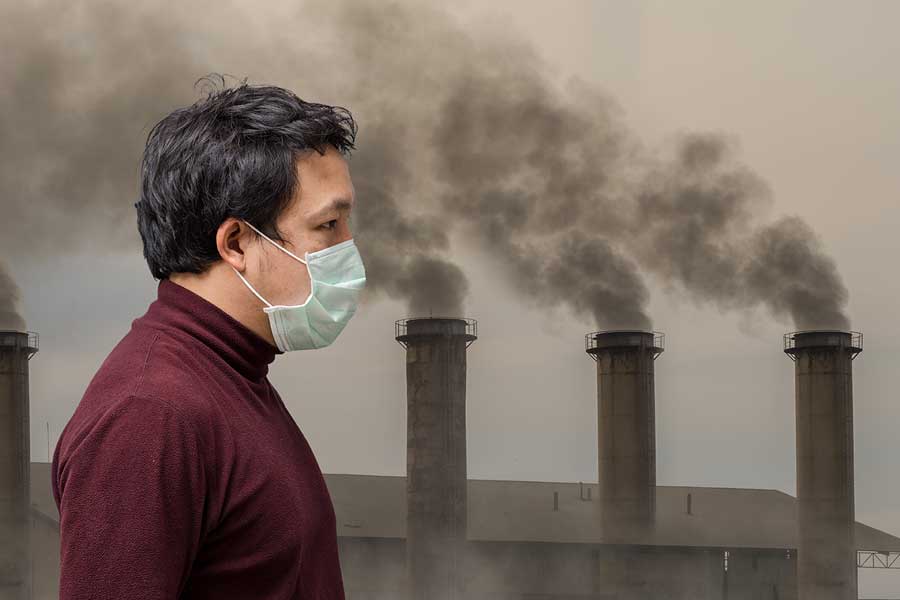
point(374, 569)
point(44, 559)
point(760, 575)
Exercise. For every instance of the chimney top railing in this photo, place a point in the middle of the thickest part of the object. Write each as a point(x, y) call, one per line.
point(23, 340)
point(796, 341)
point(651, 340)
point(469, 330)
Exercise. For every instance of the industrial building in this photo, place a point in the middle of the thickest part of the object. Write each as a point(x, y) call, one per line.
point(438, 535)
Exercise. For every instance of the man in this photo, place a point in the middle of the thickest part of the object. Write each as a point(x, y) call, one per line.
point(181, 473)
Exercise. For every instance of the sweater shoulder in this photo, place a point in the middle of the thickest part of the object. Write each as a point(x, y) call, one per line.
point(178, 374)
point(146, 364)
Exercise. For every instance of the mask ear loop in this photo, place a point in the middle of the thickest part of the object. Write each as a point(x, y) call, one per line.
point(251, 287)
point(275, 244)
point(311, 281)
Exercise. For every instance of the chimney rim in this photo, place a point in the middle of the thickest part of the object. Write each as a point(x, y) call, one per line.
point(469, 330)
point(24, 340)
point(808, 339)
point(624, 338)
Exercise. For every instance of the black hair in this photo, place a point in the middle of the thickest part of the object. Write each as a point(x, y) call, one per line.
point(230, 154)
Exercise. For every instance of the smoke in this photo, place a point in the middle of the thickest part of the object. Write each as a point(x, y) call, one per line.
point(461, 130)
point(83, 84)
point(400, 257)
point(538, 185)
point(522, 164)
point(696, 229)
point(75, 100)
point(401, 250)
point(10, 319)
point(790, 272)
point(566, 203)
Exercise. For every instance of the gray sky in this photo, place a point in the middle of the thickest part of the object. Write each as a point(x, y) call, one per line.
point(807, 91)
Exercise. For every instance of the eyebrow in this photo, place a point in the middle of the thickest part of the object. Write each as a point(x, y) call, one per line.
point(335, 204)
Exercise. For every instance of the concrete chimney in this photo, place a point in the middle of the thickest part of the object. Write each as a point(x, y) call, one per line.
point(16, 348)
point(826, 553)
point(436, 478)
point(626, 429)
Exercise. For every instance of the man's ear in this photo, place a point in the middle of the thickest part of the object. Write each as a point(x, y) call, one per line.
point(232, 239)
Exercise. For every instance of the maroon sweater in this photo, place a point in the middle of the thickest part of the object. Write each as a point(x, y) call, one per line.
point(181, 474)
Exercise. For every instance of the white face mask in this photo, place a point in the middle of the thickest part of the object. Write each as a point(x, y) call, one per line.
point(337, 277)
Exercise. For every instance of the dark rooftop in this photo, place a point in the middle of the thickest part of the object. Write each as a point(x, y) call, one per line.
point(374, 506)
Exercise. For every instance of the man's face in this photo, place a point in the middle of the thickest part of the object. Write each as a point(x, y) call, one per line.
point(318, 217)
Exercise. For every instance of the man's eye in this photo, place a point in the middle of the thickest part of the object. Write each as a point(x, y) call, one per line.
point(332, 223)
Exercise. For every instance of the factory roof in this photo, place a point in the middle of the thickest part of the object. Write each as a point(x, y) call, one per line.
point(374, 506)
point(523, 511)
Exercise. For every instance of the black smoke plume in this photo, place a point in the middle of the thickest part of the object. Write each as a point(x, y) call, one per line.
point(463, 130)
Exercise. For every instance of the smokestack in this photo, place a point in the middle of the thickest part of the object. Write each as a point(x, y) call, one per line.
point(626, 428)
point(826, 552)
point(16, 348)
point(435, 453)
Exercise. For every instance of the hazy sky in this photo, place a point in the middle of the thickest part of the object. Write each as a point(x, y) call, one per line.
point(808, 93)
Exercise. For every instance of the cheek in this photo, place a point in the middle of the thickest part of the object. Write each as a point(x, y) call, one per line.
point(290, 277)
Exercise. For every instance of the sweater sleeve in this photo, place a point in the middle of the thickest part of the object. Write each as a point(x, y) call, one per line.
point(132, 496)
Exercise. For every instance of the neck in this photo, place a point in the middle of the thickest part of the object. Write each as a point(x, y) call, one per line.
point(213, 285)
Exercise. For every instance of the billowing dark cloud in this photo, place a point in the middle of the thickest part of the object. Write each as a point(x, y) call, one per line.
point(787, 270)
point(10, 318)
point(696, 227)
point(462, 130)
point(83, 84)
point(534, 181)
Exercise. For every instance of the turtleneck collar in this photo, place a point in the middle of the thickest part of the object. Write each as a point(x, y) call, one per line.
point(179, 308)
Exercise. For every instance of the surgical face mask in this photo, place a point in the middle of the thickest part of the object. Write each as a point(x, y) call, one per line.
point(337, 277)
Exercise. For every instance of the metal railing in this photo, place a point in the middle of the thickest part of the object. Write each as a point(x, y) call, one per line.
point(15, 339)
point(872, 559)
point(401, 327)
point(659, 338)
point(855, 346)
